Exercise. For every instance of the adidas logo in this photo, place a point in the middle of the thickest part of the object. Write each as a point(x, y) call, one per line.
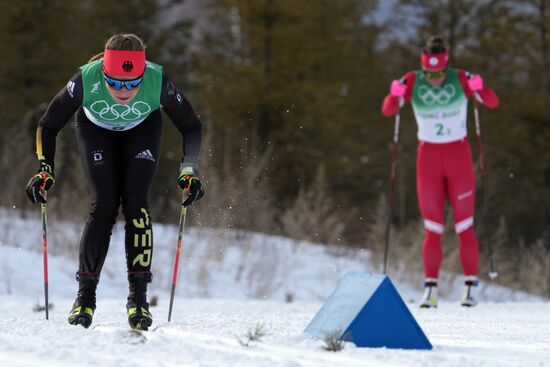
point(146, 154)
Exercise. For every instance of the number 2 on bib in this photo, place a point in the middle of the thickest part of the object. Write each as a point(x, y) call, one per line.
point(439, 128)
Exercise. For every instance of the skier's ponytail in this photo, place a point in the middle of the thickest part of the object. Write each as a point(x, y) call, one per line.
point(435, 45)
point(96, 57)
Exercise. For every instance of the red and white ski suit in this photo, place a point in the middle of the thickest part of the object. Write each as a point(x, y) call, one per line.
point(444, 170)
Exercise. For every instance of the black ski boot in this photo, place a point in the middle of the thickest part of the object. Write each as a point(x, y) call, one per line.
point(137, 307)
point(429, 298)
point(468, 299)
point(83, 309)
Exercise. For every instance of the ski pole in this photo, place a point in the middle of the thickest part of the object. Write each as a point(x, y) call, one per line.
point(43, 209)
point(391, 193)
point(492, 272)
point(178, 252)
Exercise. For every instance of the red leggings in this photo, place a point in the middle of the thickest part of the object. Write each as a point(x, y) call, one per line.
point(445, 171)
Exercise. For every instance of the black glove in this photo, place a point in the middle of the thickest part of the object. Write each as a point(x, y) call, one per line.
point(43, 180)
point(193, 186)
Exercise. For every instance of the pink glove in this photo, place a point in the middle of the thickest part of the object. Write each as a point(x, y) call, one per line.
point(397, 89)
point(475, 83)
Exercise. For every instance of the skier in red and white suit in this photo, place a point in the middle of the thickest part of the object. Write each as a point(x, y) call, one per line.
point(439, 97)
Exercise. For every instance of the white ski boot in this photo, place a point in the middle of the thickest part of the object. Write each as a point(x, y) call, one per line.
point(468, 299)
point(429, 298)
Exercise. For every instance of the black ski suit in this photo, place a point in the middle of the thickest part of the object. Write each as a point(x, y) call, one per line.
point(120, 166)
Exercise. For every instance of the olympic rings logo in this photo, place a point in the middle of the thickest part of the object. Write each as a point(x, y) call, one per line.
point(431, 96)
point(118, 111)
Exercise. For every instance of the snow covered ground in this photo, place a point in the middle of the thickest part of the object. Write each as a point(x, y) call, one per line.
point(231, 282)
point(204, 332)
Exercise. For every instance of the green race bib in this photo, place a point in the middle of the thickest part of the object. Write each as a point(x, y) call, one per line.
point(102, 109)
point(441, 111)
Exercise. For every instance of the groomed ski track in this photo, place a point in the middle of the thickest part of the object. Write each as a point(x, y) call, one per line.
point(205, 332)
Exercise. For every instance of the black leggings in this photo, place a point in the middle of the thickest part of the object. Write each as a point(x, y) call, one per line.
point(120, 166)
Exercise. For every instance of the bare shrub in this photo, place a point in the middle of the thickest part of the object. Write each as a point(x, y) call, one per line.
point(376, 226)
point(502, 252)
point(245, 243)
point(6, 275)
point(314, 215)
point(534, 273)
point(289, 297)
point(404, 247)
point(17, 160)
point(262, 267)
point(406, 252)
point(207, 257)
point(334, 342)
point(519, 265)
point(253, 335)
point(237, 196)
point(65, 237)
point(203, 277)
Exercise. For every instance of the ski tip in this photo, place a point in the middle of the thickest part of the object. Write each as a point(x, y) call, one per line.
point(84, 322)
point(140, 325)
point(493, 274)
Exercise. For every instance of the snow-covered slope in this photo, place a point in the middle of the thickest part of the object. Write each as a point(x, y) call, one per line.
point(214, 264)
point(229, 283)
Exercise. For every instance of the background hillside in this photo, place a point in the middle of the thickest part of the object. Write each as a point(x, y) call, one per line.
point(290, 93)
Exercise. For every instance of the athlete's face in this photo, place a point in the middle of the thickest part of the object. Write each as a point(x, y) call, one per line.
point(436, 78)
point(123, 95)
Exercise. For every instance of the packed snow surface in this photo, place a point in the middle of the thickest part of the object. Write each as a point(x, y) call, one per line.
point(206, 332)
point(230, 285)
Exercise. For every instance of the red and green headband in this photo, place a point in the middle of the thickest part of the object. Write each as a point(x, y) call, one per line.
point(124, 63)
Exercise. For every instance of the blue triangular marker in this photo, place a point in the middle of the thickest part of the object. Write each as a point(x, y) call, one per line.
point(367, 310)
